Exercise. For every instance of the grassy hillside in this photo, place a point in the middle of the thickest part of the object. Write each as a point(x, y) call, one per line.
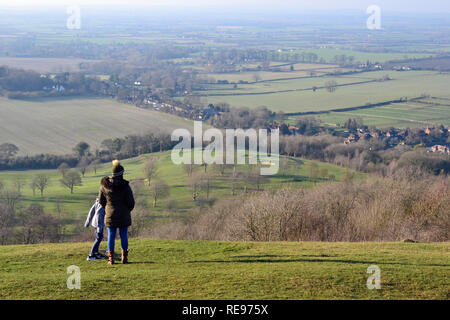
point(227, 270)
point(297, 172)
point(56, 125)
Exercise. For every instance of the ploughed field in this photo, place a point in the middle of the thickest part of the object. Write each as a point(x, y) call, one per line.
point(55, 126)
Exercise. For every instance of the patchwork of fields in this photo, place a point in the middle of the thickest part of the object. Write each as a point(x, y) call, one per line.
point(290, 92)
point(297, 95)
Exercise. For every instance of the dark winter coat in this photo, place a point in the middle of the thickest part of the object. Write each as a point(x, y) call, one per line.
point(117, 198)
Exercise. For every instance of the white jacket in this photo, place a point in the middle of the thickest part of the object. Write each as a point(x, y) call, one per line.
point(96, 216)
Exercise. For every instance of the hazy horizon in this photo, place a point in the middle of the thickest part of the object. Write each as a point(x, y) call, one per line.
point(400, 6)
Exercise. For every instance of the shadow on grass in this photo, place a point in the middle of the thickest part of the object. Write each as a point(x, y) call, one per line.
point(118, 260)
point(313, 261)
point(281, 256)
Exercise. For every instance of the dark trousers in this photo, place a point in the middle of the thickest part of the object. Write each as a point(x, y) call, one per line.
point(98, 240)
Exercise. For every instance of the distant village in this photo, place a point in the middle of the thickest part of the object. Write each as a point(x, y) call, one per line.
point(399, 135)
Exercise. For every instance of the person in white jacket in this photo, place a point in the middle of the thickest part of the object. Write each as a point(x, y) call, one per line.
point(96, 218)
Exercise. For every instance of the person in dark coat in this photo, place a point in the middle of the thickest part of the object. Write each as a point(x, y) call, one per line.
point(117, 198)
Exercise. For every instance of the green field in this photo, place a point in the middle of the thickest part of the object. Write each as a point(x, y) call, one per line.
point(299, 96)
point(329, 53)
point(300, 70)
point(399, 115)
point(296, 173)
point(229, 270)
point(55, 126)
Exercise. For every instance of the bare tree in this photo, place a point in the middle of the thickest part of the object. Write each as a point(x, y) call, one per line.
point(82, 165)
point(19, 182)
point(59, 209)
point(10, 198)
point(6, 219)
point(45, 228)
point(206, 182)
point(71, 179)
point(151, 169)
point(159, 190)
point(137, 185)
point(221, 168)
point(331, 85)
point(95, 165)
point(63, 168)
point(139, 221)
point(188, 168)
point(33, 187)
point(236, 178)
point(256, 77)
point(41, 182)
point(38, 226)
point(257, 179)
point(195, 182)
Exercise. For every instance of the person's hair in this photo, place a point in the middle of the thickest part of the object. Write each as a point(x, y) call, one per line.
point(106, 183)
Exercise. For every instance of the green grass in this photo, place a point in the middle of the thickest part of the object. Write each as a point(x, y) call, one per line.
point(404, 84)
point(229, 270)
point(55, 126)
point(400, 115)
point(300, 70)
point(297, 173)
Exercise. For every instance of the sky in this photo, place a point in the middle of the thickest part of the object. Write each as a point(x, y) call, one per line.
point(404, 6)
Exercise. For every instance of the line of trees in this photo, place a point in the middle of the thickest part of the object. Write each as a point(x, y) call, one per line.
point(82, 157)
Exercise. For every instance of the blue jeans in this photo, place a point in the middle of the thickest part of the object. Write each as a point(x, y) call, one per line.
point(98, 240)
point(112, 238)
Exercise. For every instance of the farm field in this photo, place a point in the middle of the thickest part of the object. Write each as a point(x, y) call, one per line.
point(296, 172)
point(274, 86)
point(55, 126)
point(300, 70)
point(329, 53)
point(44, 65)
point(298, 95)
point(229, 270)
point(400, 115)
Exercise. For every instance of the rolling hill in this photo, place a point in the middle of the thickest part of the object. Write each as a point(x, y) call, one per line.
point(55, 126)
